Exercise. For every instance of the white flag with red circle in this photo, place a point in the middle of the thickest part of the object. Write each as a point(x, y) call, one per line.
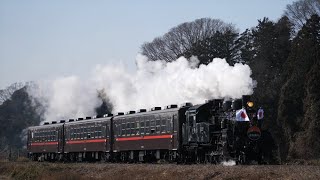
point(260, 114)
point(241, 115)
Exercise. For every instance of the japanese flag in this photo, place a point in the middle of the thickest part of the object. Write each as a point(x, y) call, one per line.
point(241, 115)
point(260, 113)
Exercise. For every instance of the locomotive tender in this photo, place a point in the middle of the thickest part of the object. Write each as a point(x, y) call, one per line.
point(211, 132)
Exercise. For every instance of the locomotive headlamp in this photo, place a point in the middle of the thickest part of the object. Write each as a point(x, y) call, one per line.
point(250, 104)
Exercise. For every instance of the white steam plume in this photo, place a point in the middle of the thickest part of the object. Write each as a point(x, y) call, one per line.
point(155, 83)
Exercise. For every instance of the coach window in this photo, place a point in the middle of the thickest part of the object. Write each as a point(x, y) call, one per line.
point(88, 134)
point(46, 136)
point(74, 133)
point(84, 135)
point(103, 130)
point(43, 136)
point(123, 129)
point(100, 131)
point(152, 125)
point(71, 133)
point(158, 126)
point(163, 124)
point(137, 127)
point(116, 129)
point(97, 131)
point(133, 128)
point(81, 132)
point(142, 126)
point(85, 132)
point(128, 129)
point(92, 131)
point(147, 127)
point(78, 132)
point(107, 130)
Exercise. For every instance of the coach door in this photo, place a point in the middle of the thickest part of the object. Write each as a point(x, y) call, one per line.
point(60, 132)
point(174, 125)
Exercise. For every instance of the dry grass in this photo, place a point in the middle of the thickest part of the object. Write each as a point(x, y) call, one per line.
point(53, 171)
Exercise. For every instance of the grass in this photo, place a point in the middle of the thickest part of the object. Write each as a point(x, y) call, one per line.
point(75, 171)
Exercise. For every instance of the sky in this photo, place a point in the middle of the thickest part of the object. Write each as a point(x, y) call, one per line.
point(43, 40)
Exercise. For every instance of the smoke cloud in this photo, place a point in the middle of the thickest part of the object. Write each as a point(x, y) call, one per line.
point(155, 83)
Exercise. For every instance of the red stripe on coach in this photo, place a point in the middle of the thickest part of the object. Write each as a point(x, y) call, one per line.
point(167, 136)
point(86, 141)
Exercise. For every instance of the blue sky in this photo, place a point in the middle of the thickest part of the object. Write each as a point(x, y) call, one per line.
point(42, 39)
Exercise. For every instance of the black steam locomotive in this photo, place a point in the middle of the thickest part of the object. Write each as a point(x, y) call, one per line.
point(207, 133)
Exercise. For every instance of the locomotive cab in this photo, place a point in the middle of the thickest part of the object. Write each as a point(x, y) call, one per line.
point(199, 124)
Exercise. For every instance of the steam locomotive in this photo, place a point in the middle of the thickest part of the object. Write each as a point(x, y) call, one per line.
point(212, 132)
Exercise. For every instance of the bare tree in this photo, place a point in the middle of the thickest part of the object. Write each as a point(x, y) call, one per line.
point(6, 93)
point(298, 12)
point(180, 39)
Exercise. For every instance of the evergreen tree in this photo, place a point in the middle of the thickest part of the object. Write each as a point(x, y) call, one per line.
point(299, 101)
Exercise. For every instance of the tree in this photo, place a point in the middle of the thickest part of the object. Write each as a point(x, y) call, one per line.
point(299, 102)
point(16, 114)
point(190, 37)
point(244, 46)
point(298, 12)
point(220, 45)
point(6, 93)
